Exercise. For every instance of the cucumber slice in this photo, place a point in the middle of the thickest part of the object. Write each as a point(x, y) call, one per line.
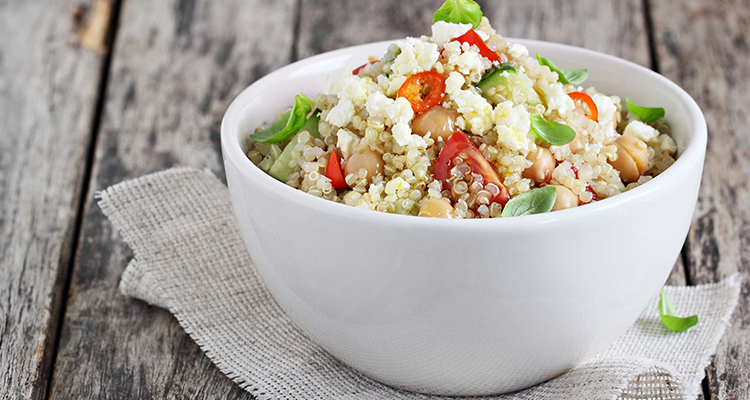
point(280, 168)
point(507, 84)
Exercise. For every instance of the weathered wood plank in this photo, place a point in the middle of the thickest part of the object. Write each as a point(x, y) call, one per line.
point(176, 66)
point(703, 46)
point(48, 92)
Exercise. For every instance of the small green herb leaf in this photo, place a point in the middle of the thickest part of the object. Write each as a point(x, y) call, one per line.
point(289, 123)
point(646, 114)
point(669, 316)
point(552, 132)
point(459, 12)
point(575, 76)
point(535, 201)
point(312, 123)
point(566, 76)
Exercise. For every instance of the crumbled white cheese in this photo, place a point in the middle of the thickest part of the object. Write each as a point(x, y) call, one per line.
point(416, 56)
point(465, 58)
point(454, 83)
point(355, 89)
point(341, 113)
point(518, 51)
point(395, 85)
point(400, 114)
point(607, 109)
point(475, 109)
point(443, 32)
point(376, 104)
point(557, 99)
point(641, 131)
point(513, 126)
point(335, 81)
point(347, 142)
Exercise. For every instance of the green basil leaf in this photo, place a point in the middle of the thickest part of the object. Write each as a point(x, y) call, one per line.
point(566, 76)
point(312, 124)
point(535, 201)
point(459, 12)
point(646, 114)
point(575, 76)
point(669, 317)
point(552, 132)
point(289, 123)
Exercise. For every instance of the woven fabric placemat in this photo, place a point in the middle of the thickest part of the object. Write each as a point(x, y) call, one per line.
point(191, 260)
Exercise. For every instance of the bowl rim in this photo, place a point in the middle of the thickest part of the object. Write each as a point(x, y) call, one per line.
point(232, 150)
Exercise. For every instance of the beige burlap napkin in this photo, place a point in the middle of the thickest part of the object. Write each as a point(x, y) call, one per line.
point(190, 259)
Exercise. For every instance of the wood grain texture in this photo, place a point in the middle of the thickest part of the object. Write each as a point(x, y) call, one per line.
point(608, 26)
point(48, 92)
point(176, 66)
point(704, 47)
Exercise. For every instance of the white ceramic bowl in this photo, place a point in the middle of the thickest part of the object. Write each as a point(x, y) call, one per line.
point(464, 307)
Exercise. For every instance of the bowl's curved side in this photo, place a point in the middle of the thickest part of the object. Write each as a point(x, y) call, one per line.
point(464, 307)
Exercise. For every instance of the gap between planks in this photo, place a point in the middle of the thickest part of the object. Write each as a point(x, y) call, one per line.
point(67, 270)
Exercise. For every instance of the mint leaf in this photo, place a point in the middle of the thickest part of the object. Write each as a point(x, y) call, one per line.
point(669, 317)
point(459, 12)
point(535, 201)
point(552, 132)
point(566, 76)
point(289, 123)
point(645, 114)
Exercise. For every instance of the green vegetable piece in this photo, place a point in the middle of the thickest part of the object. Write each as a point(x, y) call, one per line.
point(496, 77)
point(312, 123)
point(289, 123)
point(280, 168)
point(275, 152)
point(645, 114)
point(552, 132)
point(669, 315)
point(535, 201)
point(566, 76)
point(459, 12)
point(507, 83)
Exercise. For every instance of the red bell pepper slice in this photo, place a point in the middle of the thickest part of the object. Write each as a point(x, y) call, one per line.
point(334, 172)
point(361, 67)
point(424, 90)
point(473, 38)
point(584, 97)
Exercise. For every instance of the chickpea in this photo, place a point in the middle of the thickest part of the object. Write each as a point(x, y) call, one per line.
point(576, 144)
point(632, 158)
point(436, 208)
point(565, 198)
point(439, 122)
point(367, 159)
point(543, 164)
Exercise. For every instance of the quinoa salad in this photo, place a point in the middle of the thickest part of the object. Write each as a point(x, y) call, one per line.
point(463, 124)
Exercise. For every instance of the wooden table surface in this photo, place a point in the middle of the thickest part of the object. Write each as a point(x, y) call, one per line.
point(99, 91)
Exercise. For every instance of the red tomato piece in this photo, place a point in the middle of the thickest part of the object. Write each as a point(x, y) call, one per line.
point(588, 188)
point(361, 67)
point(424, 90)
point(473, 38)
point(584, 97)
point(460, 145)
point(334, 172)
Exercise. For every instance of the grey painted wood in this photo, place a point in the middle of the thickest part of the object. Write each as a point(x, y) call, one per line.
point(703, 46)
point(176, 66)
point(48, 92)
